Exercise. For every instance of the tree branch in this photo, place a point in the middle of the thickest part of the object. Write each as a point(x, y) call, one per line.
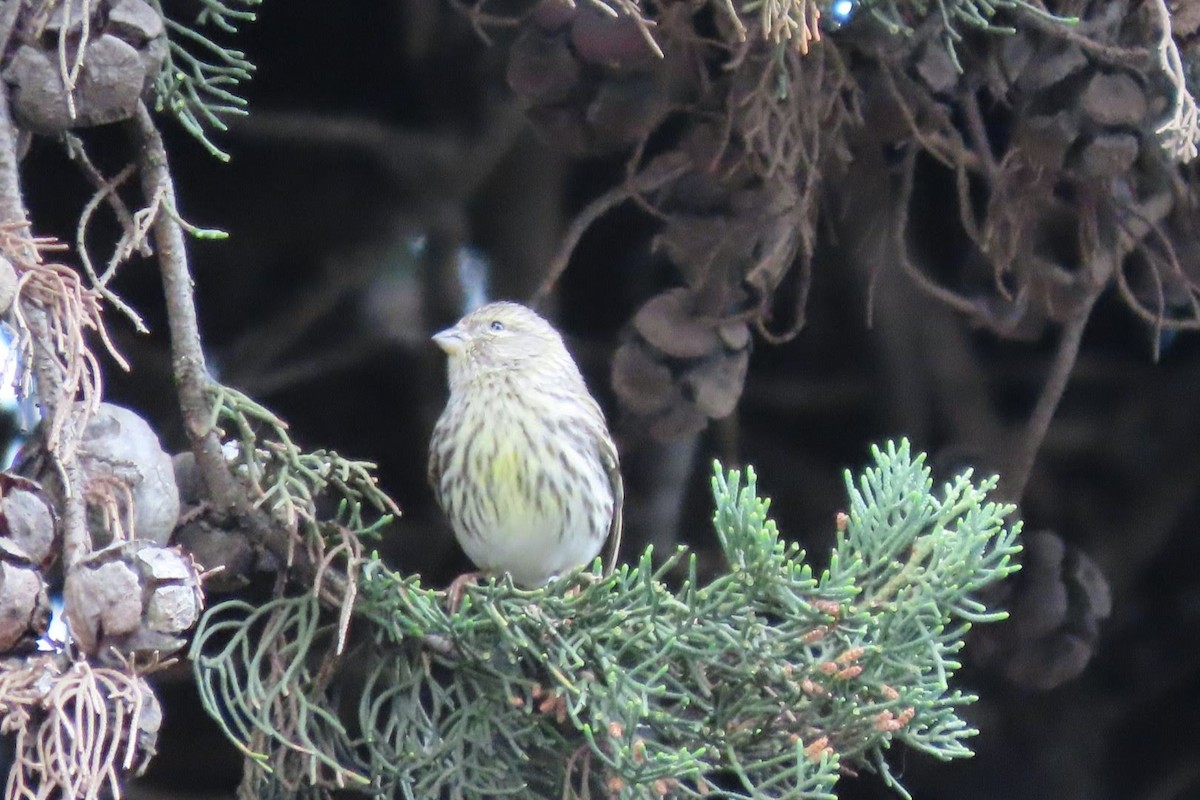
point(228, 497)
point(1016, 478)
point(655, 176)
point(187, 355)
point(45, 366)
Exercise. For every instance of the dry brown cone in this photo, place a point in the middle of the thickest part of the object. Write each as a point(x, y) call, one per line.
point(591, 82)
point(678, 369)
point(132, 599)
point(81, 70)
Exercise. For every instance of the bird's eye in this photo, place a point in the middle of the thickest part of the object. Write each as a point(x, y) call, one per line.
point(497, 325)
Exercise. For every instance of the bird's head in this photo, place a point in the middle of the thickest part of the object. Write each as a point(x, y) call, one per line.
point(500, 336)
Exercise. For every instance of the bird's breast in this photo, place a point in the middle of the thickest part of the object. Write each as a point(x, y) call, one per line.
point(525, 492)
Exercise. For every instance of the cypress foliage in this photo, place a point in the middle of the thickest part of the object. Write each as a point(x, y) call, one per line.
point(766, 682)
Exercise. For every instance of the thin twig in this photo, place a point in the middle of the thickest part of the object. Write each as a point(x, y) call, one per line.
point(431, 165)
point(900, 236)
point(337, 358)
point(631, 9)
point(128, 242)
point(1110, 54)
point(480, 19)
point(1156, 319)
point(1098, 266)
point(106, 187)
point(657, 175)
point(257, 350)
point(76, 728)
point(977, 129)
point(910, 118)
point(1065, 355)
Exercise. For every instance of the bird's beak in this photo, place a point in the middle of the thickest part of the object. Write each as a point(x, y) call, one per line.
point(452, 340)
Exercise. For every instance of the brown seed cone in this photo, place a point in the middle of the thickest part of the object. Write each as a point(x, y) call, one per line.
point(129, 481)
point(134, 598)
point(677, 369)
point(124, 52)
point(589, 81)
point(27, 519)
point(1056, 605)
point(24, 605)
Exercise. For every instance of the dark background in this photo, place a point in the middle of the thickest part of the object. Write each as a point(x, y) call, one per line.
point(384, 140)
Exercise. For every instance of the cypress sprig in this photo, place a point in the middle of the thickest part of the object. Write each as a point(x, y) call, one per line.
point(764, 682)
point(200, 78)
point(902, 17)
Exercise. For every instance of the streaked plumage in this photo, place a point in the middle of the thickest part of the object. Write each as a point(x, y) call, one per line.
point(521, 460)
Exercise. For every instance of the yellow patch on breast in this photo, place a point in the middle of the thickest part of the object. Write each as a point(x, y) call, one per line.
point(504, 469)
point(511, 477)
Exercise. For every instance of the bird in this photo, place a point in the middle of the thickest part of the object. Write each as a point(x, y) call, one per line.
point(521, 459)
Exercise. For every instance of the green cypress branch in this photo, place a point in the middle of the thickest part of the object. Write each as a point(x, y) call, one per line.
point(200, 76)
point(289, 482)
point(762, 683)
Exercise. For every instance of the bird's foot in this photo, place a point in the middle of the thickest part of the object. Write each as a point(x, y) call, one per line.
point(458, 587)
point(582, 580)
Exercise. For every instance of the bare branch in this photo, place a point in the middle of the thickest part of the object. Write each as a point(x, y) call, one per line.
point(657, 175)
point(191, 370)
point(55, 402)
point(1097, 270)
point(900, 236)
point(107, 190)
point(1065, 356)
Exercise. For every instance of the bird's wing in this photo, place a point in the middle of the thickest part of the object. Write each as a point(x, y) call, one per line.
point(434, 473)
point(612, 468)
